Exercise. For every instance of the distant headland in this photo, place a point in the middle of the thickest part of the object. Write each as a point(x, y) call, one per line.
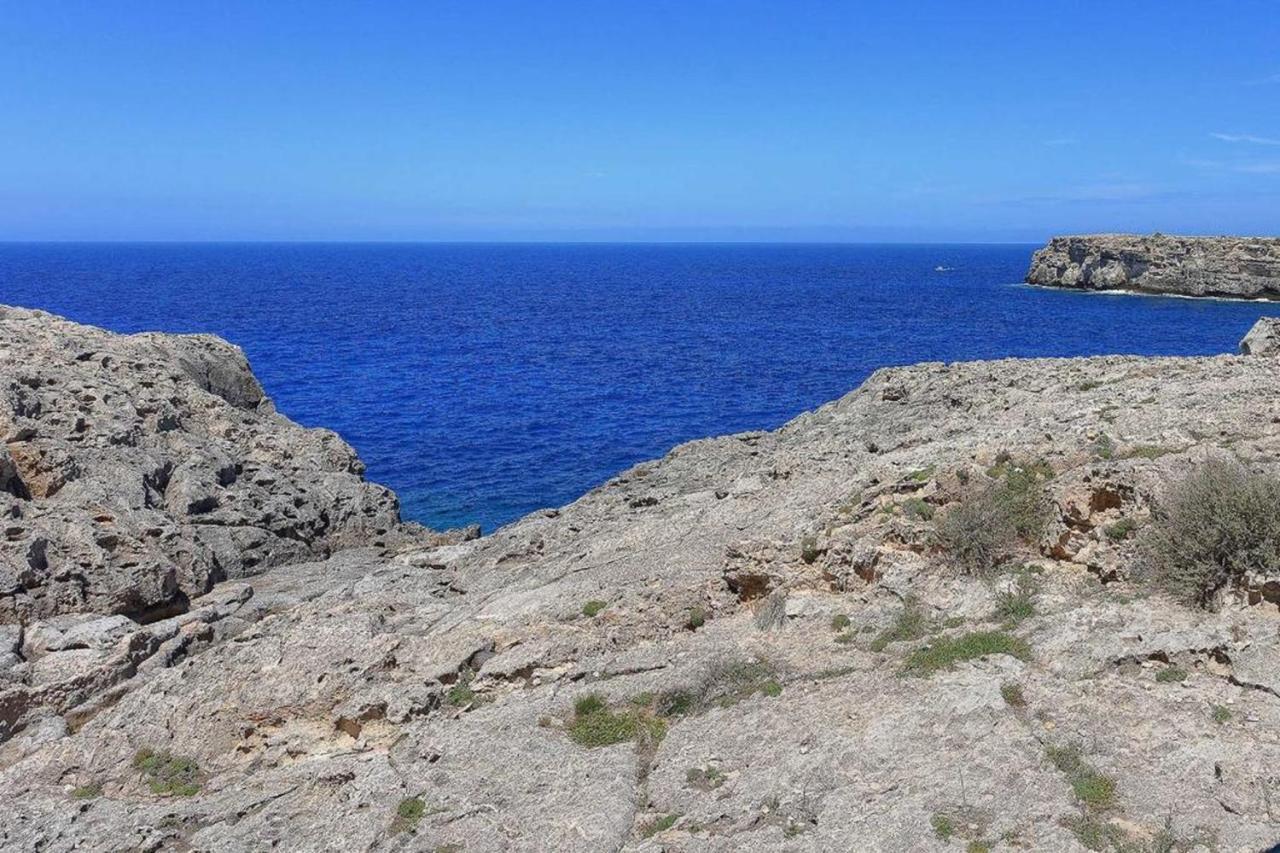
point(1235, 267)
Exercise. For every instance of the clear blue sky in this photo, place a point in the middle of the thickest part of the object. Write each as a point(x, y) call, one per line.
point(637, 120)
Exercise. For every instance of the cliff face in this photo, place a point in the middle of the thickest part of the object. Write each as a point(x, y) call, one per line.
point(137, 470)
point(1192, 266)
point(752, 644)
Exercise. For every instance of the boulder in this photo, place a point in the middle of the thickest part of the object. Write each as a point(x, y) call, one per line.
point(1263, 338)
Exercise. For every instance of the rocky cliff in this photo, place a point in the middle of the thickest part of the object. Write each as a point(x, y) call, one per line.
point(766, 641)
point(1247, 267)
point(138, 470)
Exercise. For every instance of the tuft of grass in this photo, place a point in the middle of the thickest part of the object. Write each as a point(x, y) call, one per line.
point(1120, 530)
point(168, 774)
point(595, 724)
point(1217, 525)
point(697, 618)
point(945, 652)
point(917, 508)
point(409, 812)
point(1171, 675)
point(840, 622)
point(1012, 695)
point(809, 550)
point(661, 824)
point(90, 791)
point(704, 778)
point(593, 607)
point(1092, 833)
point(1018, 602)
point(911, 624)
point(1221, 714)
point(943, 827)
point(1095, 790)
point(1104, 448)
point(461, 694)
point(978, 847)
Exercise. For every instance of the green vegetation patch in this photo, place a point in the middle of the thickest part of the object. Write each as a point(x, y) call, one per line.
point(1171, 675)
point(1120, 530)
point(1149, 451)
point(90, 791)
point(840, 622)
point(661, 824)
point(594, 607)
point(980, 531)
point(1018, 602)
point(168, 774)
point(409, 812)
point(1096, 791)
point(1221, 714)
point(1013, 695)
point(943, 826)
point(1216, 526)
point(918, 509)
point(697, 618)
point(704, 778)
point(911, 624)
point(461, 694)
point(595, 724)
point(945, 652)
point(922, 475)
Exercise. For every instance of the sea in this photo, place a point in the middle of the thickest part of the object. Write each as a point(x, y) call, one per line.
point(483, 381)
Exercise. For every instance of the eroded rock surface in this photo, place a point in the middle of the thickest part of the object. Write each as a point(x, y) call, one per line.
point(1247, 267)
point(753, 610)
point(138, 470)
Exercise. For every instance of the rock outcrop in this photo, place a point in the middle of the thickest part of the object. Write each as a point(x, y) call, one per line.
point(1263, 338)
point(138, 470)
point(754, 643)
point(1240, 267)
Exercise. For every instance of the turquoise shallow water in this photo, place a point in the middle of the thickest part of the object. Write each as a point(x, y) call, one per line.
point(484, 381)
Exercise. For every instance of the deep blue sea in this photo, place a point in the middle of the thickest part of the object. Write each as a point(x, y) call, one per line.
point(484, 381)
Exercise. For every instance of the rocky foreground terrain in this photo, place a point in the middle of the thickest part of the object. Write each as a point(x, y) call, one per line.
point(1241, 267)
point(922, 617)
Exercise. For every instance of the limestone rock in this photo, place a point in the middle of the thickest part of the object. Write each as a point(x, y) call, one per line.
point(1263, 338)
point(426, 700)
point(138, 470)
point(1247, 267)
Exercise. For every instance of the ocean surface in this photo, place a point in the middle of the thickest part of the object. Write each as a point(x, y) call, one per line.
point(484, 381)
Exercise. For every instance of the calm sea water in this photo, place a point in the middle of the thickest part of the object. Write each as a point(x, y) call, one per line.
point(484, 381)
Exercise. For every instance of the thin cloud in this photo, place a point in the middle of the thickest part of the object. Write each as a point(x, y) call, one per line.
point(1255, 168)
point(1246, 137)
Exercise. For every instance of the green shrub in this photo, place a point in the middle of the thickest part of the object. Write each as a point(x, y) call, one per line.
point(978, 847)
point(982, 528)
point(593, 607)
point(1012, 695)
point(1171, 675)
point(911, 624)
point(946, 652)
point(461, 694)
point(697, 618)
point(1149, 451)
point(840, 622)
point(1121, 530)
point(1218, 524)
point(87, 792)
point(942, 825)
point(809, 550)
point(409, 813)
point(1221, 714)
point(704, 778)
point(168, 774)
point(1104, 447)
point(917, 508)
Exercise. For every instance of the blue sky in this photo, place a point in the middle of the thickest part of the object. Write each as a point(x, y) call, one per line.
point(690, 120)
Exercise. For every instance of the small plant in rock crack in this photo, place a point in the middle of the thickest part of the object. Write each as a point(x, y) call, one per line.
point(945, 652)
point(409, 812)
point(840, 622)
point(1171, 675)
point(168, 774)
point(697, 618)
point(1017, 602)
point(911, 624)
point(1013, 695)
point(1095, 790)
point(981, 530)
point(593, 608)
